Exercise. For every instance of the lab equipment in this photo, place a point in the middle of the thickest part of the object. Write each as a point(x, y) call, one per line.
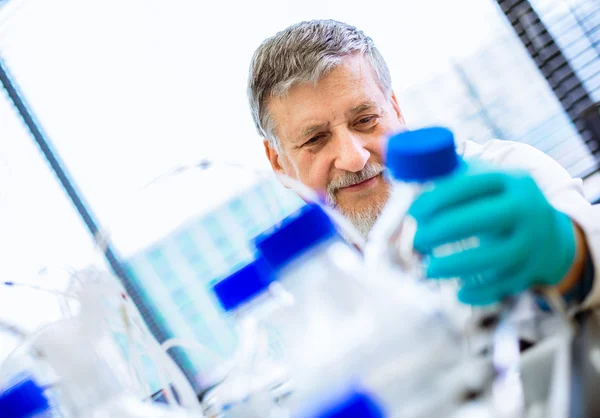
point(180, 233)
point(257, 372)
point(327, 318)
point(415, 159)
point(325, 321)
point(491, 230)
point(87, 386)
point(347, 403)
point(107, 309)
point(79, 358)
point(421, 162)
point(388, 333)
point(24, 399)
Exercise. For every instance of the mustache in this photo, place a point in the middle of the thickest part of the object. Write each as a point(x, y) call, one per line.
point(350, 179)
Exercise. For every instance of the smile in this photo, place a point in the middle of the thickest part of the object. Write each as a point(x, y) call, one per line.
point(363, 185)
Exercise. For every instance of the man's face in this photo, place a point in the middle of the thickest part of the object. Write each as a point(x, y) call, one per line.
point(332, 135)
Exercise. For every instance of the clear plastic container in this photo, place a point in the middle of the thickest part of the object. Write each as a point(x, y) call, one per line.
point(250, 387)
point(328, 321)
point(415, 159)
point(342, 325)
point(87, 386)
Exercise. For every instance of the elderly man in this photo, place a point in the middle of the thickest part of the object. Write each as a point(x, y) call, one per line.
point(321, 97)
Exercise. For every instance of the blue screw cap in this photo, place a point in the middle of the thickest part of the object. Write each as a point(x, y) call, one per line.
point(22, 400)
point(244, 284)
point(351, 403)
point(421, 155)
point(297, 234)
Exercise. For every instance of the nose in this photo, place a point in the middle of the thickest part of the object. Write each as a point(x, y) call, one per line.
point(351, 153)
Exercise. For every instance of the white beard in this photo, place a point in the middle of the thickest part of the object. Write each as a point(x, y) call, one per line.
point(363, 221)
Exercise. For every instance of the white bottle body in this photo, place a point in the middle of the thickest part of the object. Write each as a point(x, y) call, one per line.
point(257, 369)
point(345, 325)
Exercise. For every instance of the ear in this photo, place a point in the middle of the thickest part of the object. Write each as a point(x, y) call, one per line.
point(396, 107)
point(273, 157)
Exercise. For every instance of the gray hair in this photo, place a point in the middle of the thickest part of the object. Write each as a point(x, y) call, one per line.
point(305, 53)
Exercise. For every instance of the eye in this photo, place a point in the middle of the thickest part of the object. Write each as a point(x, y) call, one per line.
point(314, 140)
point(366, 121)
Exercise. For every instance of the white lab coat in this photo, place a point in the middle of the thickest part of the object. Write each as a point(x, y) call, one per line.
point(562, 191)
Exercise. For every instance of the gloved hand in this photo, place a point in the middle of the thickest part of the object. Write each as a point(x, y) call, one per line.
point(523, 240)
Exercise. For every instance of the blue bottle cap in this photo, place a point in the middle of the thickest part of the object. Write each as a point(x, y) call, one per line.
point(298, 233)
point(22, 400)
point(244, 284)
point(421, 155)
point(348, 404)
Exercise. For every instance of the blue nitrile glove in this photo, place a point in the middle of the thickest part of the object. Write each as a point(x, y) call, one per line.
point(523, 240)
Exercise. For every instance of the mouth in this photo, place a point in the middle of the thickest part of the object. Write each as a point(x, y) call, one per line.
point(365, 184)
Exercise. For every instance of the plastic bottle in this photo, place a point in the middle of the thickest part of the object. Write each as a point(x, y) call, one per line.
point(24, 399)
point(249, 390)
point(415, 159)
point(321, 276)
point(349, 403)
point(87, 386)
point(343, 326)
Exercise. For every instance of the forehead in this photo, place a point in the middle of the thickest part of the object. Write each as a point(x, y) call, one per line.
point(348, 85)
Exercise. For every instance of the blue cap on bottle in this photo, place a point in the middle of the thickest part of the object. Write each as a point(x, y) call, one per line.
point(298, 233)
point(244, 284)
point(23, 400)
point(421, 155)
point(348, 404)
